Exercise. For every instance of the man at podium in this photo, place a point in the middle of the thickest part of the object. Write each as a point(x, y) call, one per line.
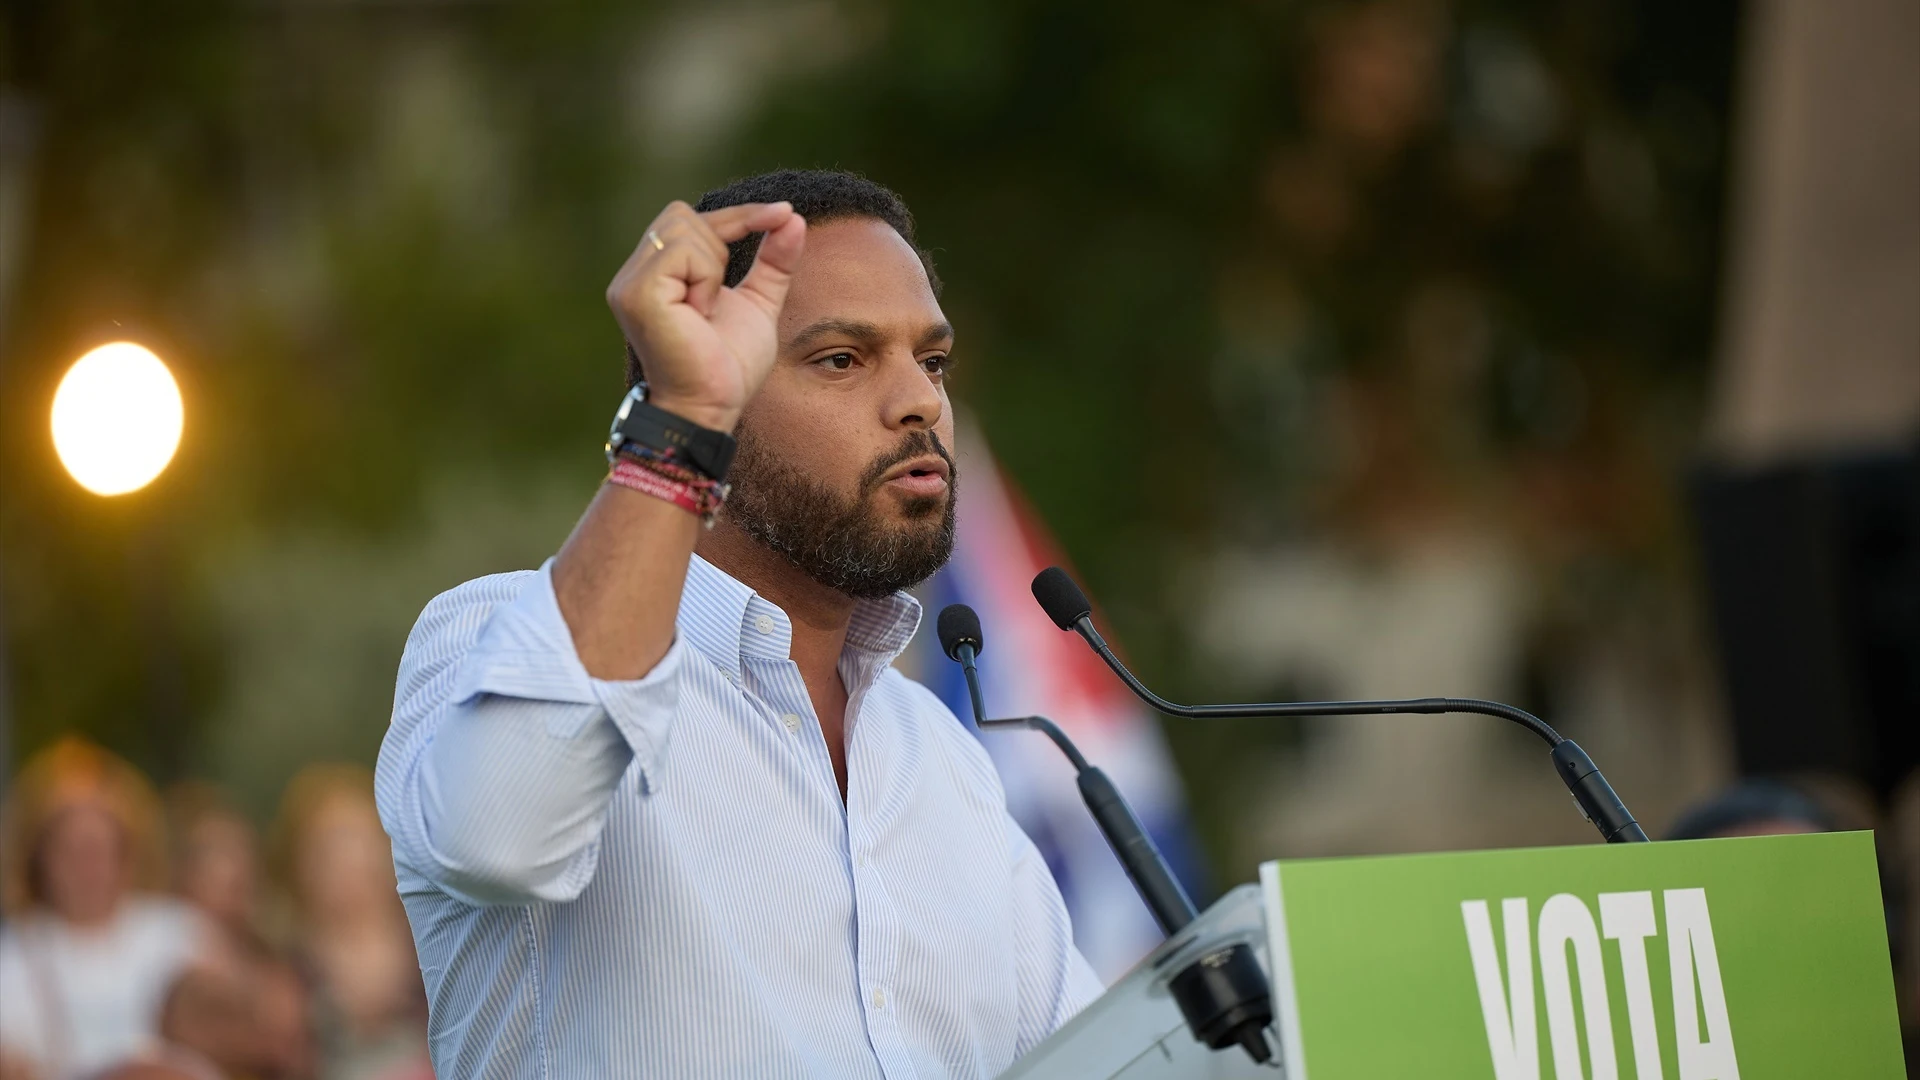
point(663, 807)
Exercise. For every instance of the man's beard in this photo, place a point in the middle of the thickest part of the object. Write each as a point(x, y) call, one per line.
point(843, 543)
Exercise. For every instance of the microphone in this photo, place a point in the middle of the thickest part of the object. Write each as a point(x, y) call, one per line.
point(959, 630)
point(1224, 994)
point(1067, 606)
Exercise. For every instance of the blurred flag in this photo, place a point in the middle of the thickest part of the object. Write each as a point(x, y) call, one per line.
point(1030, 666)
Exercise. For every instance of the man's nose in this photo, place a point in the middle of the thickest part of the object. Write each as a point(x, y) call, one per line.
point(913, 398)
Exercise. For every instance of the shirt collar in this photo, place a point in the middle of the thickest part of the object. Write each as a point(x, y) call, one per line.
point(725, 620)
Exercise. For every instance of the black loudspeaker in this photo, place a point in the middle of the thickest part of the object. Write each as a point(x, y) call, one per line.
point(1813, 575)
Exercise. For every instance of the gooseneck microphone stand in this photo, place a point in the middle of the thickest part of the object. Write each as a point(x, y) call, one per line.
point(1069, 609)
point(1223, 995)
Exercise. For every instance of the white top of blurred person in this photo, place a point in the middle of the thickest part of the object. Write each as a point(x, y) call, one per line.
point(84, 976)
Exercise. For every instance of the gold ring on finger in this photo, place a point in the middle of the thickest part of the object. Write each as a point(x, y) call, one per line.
point(654, 239)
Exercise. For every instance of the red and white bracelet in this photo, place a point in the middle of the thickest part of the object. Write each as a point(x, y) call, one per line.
point(698, 496)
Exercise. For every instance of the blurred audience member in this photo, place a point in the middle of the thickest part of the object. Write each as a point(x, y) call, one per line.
point(216, 860)
point(1753, 808)
point(351, 935)
point(252, 1017)
point(89, 952)
point(248, 1022)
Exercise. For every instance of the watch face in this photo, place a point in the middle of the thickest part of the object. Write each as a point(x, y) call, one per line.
point(638, 393)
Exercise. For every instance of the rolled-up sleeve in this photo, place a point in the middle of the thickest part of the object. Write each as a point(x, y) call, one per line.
point(495, 777)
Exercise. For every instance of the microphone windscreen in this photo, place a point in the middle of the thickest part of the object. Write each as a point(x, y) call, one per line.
point(1060, 598)
point(958, 624)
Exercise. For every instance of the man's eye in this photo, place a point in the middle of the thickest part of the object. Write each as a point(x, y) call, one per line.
point(838, 361)
point(937, 365)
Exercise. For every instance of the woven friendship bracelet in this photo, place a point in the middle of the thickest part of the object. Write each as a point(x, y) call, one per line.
point(668, 461)
point(699, 497)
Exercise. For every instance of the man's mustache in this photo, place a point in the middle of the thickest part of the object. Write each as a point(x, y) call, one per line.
point(915, 444)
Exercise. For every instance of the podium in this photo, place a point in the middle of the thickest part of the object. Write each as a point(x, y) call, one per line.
point(1759, 958)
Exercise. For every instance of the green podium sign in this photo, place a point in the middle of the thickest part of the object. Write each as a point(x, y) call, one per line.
point(1739, 959)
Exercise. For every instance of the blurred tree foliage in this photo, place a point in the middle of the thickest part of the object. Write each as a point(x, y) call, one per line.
point(1225, 274)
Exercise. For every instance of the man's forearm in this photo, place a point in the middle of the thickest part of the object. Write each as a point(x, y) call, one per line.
point(618, 580)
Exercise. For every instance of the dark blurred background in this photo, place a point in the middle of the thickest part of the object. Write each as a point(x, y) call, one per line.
point(1562, 352)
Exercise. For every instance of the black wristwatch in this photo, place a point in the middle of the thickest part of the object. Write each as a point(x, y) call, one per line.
point(703, 449)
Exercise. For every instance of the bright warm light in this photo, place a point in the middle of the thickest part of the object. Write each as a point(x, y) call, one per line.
point(117, 418)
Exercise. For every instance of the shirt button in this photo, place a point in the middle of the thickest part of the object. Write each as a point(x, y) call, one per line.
point(879, 999)
point(792, 720)
point(763, 623)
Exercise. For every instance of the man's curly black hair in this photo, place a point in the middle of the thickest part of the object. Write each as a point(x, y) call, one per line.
point(820, 196)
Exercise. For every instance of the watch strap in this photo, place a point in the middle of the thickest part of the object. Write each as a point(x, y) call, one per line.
point(703, 449)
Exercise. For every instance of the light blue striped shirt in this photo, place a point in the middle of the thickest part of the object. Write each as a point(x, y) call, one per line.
point(659, 878)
